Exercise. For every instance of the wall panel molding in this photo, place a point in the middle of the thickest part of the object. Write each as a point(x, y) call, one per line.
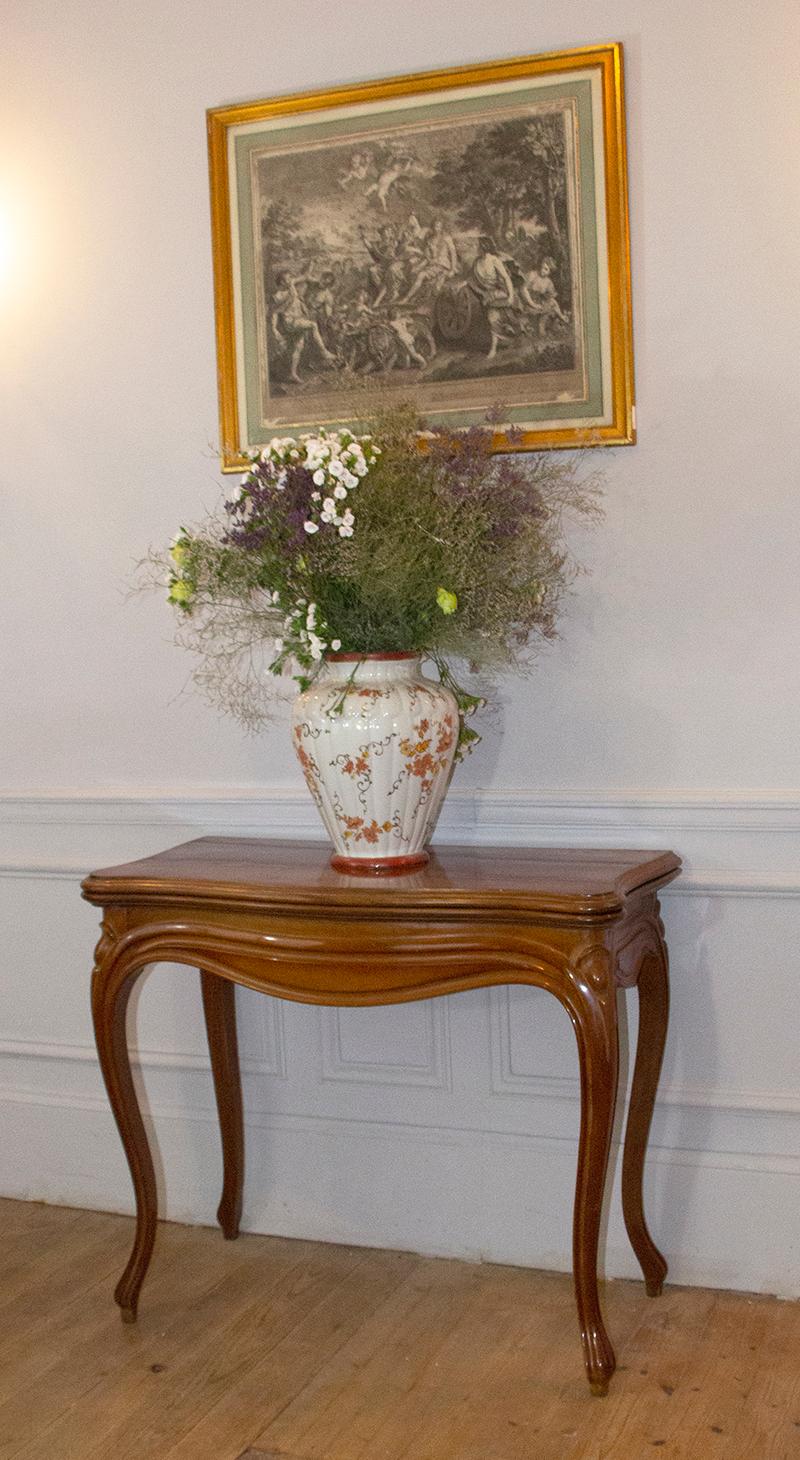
point(505, 1080)
point(434, 1072)
point(360, 1129)
point(150, 1059)
point(732, 844)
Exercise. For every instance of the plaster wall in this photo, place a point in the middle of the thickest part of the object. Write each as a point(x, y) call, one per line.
point(667, 714)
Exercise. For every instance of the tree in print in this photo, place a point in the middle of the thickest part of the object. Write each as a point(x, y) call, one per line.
point(507, 176)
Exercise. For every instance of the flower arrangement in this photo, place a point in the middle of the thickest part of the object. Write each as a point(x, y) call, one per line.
point(398, 539)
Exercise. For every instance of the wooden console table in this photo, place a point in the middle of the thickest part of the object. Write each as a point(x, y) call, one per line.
point(273, 916)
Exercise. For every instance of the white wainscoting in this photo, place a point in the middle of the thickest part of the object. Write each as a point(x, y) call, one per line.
point(448, 1126)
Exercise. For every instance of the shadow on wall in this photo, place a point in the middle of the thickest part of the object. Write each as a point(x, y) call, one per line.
point(692, 1056)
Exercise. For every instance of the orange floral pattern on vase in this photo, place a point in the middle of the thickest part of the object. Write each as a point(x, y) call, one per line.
point(358, 830)
point(419, 760)
point(357, 767)
point(376, 754)
point(308, 764)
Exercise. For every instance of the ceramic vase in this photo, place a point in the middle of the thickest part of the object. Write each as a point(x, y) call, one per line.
point(376, 741)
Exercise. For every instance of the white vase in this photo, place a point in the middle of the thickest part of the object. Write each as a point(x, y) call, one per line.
point(376, 741)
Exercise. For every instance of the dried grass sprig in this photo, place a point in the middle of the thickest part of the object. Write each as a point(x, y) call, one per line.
point(401, 538)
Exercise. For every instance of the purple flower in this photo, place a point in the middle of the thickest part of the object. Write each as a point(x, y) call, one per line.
point(264, 513)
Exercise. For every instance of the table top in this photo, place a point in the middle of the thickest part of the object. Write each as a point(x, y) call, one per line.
point(283, 875)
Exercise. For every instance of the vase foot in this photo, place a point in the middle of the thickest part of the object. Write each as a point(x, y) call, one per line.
point(379, 866)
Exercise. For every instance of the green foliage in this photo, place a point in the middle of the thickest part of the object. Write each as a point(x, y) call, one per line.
point(445, 548)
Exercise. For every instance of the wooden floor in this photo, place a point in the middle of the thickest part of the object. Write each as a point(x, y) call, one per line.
point(267, 1347)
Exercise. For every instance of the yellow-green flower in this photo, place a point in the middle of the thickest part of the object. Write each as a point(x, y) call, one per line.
point(178, 554)
point(447, 601)
point(180, 592)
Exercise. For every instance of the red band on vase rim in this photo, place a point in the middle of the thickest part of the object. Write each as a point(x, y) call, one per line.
point(379, 866)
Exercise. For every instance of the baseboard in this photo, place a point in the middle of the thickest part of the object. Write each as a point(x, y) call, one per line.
point(443, 1192)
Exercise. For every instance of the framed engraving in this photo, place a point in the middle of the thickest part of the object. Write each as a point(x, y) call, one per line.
point(459, 238)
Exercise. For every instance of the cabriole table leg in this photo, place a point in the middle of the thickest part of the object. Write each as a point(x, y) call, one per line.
point(219, 1007)
point(112, 985)
point(653, 1015)
point(594, 1018)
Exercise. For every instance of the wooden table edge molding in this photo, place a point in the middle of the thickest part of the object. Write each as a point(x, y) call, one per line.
point(273, 916)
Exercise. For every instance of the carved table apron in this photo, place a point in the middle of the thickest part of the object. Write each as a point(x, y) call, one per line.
point(273, 916)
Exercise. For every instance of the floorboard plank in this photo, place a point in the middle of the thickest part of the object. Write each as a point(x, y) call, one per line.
point(258, 1396)
point(272, 1349)
point(37, 1264)
point(155, 1360)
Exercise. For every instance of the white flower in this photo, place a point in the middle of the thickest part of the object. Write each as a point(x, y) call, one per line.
point(339, 492)
point(275, 595)
point(336, 645)
point(350, 480)
point(311, 615)
point(336, 467)
point(311, 527)
point(278, 645)
point(316, 496)
point(348, 518)
point(316, 452)
point(319, 478)
point(345, 531)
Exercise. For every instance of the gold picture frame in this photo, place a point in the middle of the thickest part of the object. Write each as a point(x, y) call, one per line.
point(458, 236)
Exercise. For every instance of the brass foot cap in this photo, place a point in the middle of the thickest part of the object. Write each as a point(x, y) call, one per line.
point(599, 1387)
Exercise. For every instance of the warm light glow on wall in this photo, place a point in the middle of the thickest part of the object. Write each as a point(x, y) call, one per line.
point(44, 272)
point(6, 245)
point(29, 306)
point(20, 250)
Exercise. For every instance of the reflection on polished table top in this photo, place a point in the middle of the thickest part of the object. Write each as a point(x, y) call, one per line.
point(274, 916)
